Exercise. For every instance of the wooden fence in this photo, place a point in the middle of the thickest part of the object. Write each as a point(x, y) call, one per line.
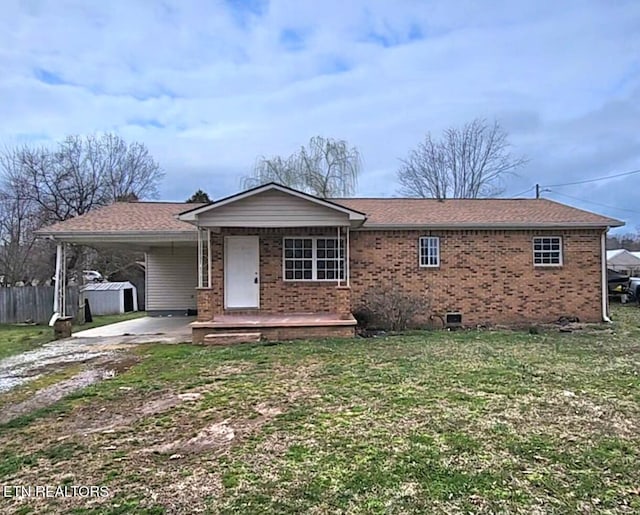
point(33, 304)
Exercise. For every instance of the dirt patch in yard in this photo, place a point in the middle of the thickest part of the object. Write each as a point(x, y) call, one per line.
point(218, 435)
point(100, 368)
point(47, 396)
point(114, 419)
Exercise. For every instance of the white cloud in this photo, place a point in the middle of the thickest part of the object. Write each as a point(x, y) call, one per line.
point(211, 86)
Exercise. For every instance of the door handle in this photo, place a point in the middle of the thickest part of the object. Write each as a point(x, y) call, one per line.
point(255, 280)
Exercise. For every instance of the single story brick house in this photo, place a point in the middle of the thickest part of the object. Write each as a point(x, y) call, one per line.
point(288, 264)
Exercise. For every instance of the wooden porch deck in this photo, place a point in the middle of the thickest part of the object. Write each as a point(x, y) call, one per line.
point(272, 326)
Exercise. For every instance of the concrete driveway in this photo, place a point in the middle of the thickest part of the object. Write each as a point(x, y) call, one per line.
point(145, 330)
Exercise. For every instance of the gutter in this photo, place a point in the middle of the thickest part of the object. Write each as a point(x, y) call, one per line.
point(115, 236)
point(605, 285)
point(488, 226)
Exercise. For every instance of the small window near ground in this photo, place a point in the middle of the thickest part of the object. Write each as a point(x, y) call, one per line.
point(547, 251)
point(430, 251)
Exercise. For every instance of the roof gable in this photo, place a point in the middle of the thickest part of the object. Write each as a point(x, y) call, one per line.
point(194, 214)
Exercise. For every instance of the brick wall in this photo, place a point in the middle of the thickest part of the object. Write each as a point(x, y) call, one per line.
point(276, 295)
point(487, 275)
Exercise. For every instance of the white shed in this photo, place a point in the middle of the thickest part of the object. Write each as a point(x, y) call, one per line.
point(111, 298)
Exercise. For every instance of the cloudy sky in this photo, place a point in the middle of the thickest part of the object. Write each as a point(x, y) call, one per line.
point(209, 86)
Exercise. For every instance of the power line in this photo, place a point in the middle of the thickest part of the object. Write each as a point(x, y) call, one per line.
point(523, 192)
point(594, 203)
point(592, 180)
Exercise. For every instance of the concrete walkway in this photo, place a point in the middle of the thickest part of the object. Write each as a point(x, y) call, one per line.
point(177, 329)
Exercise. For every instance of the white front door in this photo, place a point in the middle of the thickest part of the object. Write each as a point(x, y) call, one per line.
point(242, 272)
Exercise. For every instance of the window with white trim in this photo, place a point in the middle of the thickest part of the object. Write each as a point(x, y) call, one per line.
point(547, 251)
point(429, 251)
point(315, 258)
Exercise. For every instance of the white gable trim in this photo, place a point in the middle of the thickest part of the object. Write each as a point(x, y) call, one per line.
point(192, 216)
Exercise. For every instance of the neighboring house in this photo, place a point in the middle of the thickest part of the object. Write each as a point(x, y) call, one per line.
point(624, 261)
point(288, 264)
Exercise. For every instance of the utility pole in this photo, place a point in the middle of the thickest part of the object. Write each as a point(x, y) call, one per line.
point(537, 191)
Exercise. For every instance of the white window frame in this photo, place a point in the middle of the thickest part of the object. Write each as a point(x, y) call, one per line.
point(559, 252)
point(430, 240)
point(314, 258)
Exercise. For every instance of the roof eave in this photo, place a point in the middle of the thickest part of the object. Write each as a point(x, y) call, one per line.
point(488, 226)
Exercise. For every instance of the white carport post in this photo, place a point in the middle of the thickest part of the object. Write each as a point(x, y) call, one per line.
point(59, 297)
point(204, 247)
point(338, 251)
point(347, 265)
point(200, 278)
point(208, 258)
point(346, 255)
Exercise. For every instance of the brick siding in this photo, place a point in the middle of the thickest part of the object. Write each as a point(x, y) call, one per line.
point(276, 295)
point(488, 276)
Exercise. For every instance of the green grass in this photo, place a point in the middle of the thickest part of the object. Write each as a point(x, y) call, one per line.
point(17, 338)
point(435, 422)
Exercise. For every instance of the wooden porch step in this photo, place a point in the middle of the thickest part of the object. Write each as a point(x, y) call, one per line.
point(231, 338)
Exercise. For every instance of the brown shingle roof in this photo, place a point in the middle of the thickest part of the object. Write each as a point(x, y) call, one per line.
point(470, 212)
point(159, 217)
point(127, 217)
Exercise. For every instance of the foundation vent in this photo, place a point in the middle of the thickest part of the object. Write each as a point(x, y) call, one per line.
point(453, 320)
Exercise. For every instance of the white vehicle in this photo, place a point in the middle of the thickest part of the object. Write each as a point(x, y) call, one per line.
point(92, 276)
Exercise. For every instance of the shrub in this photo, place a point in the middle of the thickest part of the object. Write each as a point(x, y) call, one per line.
point(390, 308)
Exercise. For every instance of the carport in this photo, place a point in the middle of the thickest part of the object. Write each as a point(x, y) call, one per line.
point(170, 247)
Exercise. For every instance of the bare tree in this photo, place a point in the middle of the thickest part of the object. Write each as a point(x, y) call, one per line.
point(467, 162)
point(81, 174)
point(39, 186)
point(16, 239)
point(325, 167)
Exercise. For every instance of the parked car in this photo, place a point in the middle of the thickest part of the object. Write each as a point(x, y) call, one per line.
point(92, 276)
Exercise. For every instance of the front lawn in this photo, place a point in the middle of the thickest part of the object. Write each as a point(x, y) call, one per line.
point(17, 338)
point(437, 422)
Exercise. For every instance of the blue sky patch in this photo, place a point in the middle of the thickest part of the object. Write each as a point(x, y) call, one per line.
point(146, 123)
point(243, 10)
point(48, 77)
point(292, 39)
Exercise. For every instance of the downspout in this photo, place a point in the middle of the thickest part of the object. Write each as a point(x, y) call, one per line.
point(605, 287)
